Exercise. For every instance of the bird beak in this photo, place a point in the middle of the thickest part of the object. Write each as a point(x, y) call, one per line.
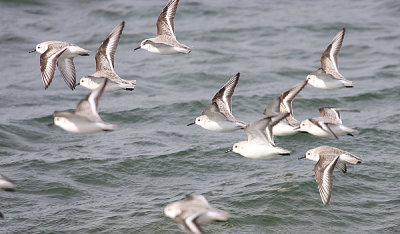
point(77, 84)
point(50, 124)
point(137, 48)
point(297, 128)
point(190, 124)
point(302, 157)
point(229, 150)
point(32, 51)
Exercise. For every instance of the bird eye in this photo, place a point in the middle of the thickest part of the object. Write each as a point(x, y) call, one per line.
point(235, 146)
point(198, 120)
point(308, 153)
point(38, 47)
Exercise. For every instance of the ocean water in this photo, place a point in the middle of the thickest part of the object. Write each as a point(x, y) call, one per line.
point(120, 181)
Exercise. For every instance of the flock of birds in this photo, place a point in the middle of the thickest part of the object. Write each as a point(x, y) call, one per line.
point(279, 120)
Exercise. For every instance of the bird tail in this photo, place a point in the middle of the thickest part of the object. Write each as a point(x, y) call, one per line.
point(348, 84)
point(129, 85)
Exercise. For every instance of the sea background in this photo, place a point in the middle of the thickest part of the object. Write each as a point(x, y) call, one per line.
point(120, 181)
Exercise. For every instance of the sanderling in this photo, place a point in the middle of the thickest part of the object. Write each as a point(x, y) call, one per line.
point(327, 159)
point(218, 116)
point(260, 143)
point(62, 54)
point(328, 76)
point(194, 211)
point(85, 119)
point(6, 184)
point(328, 124)
point(105, 65)
point(283, 104)
point(165, 42)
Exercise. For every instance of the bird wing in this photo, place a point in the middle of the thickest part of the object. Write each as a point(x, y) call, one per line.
point(223, 98)
point(88, 106)
point(324, 177)
point(165, 22)
point(213, 113)
point(260, 132)
point(330, 56)
point(288, 97)
point(48, 65)
point(198, 199)
point(256, 133)
point(273, 120)
point(188, 221)
point(273, 108)
point(106, 52)
point(324, 125)
point(67, 69)
point(333, 114)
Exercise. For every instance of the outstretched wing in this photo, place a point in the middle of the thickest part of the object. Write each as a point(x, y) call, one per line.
point(330, 56)
point(260, 132)
point(88, 106)
point(198, 199)
point(273, 120)
point(288, 97)
point(48, 63)
point(106, 52)
point(223, 98)
point(67, 70)
point(188, 221)
point(165, 22)
point(324, 177)
point(333, 114)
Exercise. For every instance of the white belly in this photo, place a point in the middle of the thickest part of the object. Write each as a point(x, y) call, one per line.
point(324, 81)
point(283, 129)
point(222, 126)
point(165, 49)
point(94, 82)
point(259, 152)
point(82, 127)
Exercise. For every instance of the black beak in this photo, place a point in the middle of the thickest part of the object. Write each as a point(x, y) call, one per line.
point(190, 124)
point(302, 157)
point(32, 51)
point(77, 84)
point(137, 48)
point(229, 150)
point(50, 124)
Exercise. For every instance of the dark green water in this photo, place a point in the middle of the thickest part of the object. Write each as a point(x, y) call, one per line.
point(120, 181)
